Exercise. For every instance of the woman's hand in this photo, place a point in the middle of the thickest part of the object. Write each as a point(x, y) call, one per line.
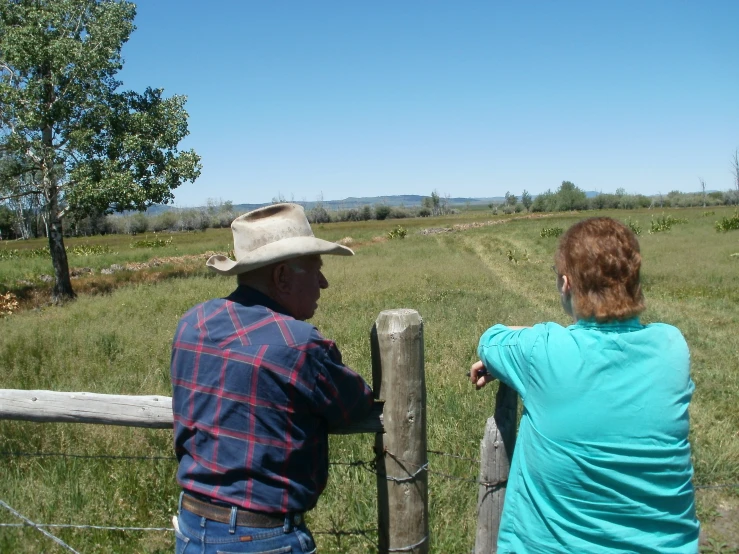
point(479, 376)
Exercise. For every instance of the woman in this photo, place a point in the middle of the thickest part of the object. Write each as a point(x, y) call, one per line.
point(602, 460)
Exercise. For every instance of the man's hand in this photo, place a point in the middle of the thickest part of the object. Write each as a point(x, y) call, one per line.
point(479, 376)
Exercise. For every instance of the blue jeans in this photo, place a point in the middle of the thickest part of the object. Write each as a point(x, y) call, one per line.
point(198, 535)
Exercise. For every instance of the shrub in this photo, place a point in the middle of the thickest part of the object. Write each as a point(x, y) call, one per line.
point(151, 243)
point(397, 233)
point(399, 213)
point(728, 223)
point(8, 304)
point(352, 214)
point(138, 223)
point(514, 256)
point(9, 254)
point(318, 214)
point(382, 211)
point(664, 223)
point(634, 226)
point(165, 221)
point(551, 231)
point(89, 249)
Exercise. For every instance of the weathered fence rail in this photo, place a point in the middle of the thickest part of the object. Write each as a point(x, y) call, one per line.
point(153, 412)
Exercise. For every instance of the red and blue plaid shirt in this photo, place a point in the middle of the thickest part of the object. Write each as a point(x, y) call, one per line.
point(254, 394)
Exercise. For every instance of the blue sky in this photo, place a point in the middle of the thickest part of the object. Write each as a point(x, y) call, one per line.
point(333, 99)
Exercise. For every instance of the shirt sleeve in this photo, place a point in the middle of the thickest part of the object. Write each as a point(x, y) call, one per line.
point(341, 396)
point(506, 354)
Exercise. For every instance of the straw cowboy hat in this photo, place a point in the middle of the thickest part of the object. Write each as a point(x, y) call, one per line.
point(272, 234)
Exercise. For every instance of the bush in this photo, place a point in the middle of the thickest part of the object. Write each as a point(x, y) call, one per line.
point(9, 254)
point(89, 249)
point(319, 214)
point(8, 304)
point(151, 243)
point(634, 226)
point(382, 211)
point(728, 223)
point(165, 221)
point(399, 213)
point(664, 223)
point(138, 223)
point(551, 231)
point(397, 233)
point(193, 220)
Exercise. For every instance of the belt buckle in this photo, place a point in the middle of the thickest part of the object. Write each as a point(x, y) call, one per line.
point(297, 519)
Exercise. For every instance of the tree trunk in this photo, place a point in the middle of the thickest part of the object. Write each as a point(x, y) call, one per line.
point(62, 283)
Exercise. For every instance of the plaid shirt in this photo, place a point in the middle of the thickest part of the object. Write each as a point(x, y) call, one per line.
point(254, 394)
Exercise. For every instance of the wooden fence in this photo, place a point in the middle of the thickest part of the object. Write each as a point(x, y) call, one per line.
point(398, 419)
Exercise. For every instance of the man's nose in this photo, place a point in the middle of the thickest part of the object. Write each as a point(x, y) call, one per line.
point(322, 281)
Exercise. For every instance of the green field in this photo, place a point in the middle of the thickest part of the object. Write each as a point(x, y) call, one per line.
point(116, 337)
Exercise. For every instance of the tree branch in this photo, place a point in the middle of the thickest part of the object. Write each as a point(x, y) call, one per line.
point(20, 195)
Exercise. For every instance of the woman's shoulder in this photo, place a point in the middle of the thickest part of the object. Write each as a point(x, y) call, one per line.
point(665, 333)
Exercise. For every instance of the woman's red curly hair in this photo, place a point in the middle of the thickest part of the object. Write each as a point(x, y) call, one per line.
point(601, 258)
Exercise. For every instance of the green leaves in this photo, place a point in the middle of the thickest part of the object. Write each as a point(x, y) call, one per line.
point(83, 145)
point(60, 107)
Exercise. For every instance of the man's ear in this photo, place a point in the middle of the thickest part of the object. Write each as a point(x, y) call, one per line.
point(281, 277)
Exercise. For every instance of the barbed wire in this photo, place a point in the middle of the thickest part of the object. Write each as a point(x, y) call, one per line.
point(30, 523)
point(83, 456)
point(410, 547)
point(446, 454)
point(83, 526)
point(370, 465)
point(341, 533)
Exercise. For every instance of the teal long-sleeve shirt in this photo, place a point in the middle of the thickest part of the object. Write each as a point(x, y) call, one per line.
point(602, 460)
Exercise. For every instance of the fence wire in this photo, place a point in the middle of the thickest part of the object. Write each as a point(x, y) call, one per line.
point(413, 470)
point(29, 523)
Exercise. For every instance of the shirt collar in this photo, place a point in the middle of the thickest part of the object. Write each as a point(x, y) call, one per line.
point(247, 296)
point(614, 325)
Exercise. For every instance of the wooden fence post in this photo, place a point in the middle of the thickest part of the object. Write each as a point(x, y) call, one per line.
point(402, 481)
point(496, 451)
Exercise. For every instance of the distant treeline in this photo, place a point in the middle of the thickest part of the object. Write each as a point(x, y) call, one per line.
point(16, 223)
point(569, 197)
point(30, 223)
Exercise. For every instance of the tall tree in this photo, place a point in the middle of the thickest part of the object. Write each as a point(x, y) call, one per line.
point(82, 146)
point(435, 203)
point(570, 197)
point(735, 171)
point(526, 200)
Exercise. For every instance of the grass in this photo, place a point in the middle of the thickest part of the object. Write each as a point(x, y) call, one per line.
point(461, 283)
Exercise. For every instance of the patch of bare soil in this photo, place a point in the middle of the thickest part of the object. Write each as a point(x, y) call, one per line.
point(476, 224)
point(37, 294)
point(723, 530)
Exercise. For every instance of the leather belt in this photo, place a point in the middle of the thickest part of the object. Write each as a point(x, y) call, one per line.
point(245, 518)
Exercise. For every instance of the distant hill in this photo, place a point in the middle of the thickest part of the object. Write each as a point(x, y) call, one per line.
point(408, 200)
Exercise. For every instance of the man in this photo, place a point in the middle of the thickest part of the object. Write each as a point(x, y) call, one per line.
point(255, 391)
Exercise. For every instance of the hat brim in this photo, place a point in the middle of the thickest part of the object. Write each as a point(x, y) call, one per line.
point(274, 252)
